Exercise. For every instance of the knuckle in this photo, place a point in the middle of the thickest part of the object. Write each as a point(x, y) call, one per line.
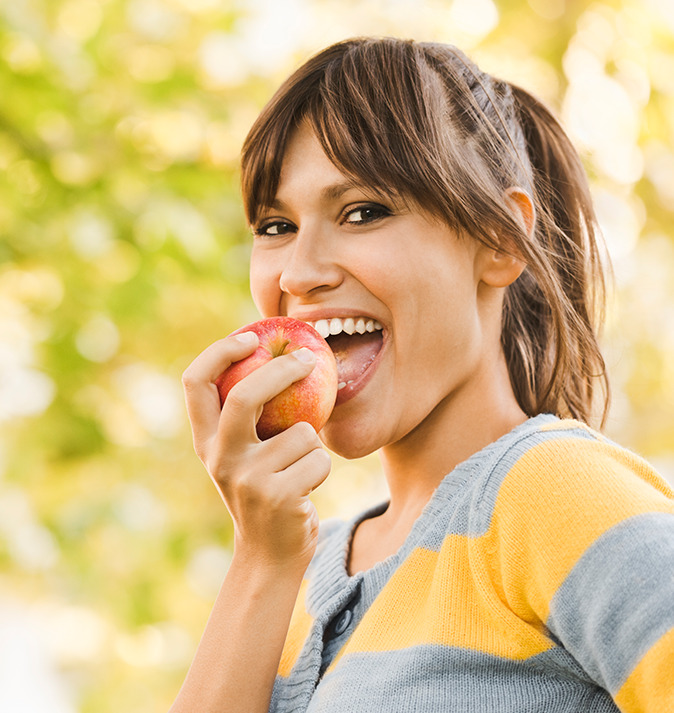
point(255, 497)
point(305, 432)
point(315, 465)
point(201, 451)
point(188, 379)
point(276, 501)
point(215, 467)
point(238, 399)
point(245, 487)
point(234, 487)
point(322, 460)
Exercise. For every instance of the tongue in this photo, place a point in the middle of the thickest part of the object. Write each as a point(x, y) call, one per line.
point(354, 353)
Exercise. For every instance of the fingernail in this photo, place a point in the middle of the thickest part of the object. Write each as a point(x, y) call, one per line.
point(245, 338)
point(306, 356)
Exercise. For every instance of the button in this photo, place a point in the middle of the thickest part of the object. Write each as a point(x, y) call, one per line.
point(343, 621)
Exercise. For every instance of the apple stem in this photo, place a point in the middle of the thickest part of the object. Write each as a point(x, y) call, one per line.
point(282, 347)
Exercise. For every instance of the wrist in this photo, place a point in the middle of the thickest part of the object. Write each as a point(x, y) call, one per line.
point(263, 568)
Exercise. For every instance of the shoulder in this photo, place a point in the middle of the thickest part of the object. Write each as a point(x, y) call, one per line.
point(567, 487)
point(568, 502)
point(561, 485)
point(547, 466)
point(562, 460)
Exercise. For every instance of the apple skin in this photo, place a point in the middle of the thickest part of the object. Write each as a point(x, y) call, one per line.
point(310, 399)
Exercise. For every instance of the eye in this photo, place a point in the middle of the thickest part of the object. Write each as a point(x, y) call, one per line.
point(363, 214)
point(273, 228)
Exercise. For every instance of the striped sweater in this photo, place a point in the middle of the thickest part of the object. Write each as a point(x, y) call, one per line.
point(539, 577)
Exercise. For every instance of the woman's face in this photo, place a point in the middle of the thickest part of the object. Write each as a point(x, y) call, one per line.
point(346, 259)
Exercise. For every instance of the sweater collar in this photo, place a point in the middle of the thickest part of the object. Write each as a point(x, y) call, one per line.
point(330, 584)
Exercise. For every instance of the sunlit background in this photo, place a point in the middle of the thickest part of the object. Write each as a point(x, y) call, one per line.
point(123, 253)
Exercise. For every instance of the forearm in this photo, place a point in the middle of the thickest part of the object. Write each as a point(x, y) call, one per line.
point(236, 662)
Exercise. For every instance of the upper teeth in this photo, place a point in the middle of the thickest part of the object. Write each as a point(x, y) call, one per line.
point(350, 325)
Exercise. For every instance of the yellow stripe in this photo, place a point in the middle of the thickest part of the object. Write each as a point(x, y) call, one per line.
point(300, 623)
point(499, 604)
point(433, 598)
point(613, 484)
point(650, 686)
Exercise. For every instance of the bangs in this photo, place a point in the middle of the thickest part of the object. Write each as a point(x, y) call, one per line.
point(381, 114)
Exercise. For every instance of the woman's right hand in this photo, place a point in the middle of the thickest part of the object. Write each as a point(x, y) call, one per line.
point(265, 484)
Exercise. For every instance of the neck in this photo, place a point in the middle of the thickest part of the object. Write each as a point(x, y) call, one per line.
point(458, 427)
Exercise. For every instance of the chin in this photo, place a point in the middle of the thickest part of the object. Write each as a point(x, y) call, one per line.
point(349, 439)
point(347, 450)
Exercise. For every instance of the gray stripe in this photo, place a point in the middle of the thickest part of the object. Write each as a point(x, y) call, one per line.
point(618, 599)
point(438, 679)
point(462, 504)
point(500, 469)
point(473, 509)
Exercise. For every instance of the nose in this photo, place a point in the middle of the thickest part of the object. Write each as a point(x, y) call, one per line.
point(311, 265)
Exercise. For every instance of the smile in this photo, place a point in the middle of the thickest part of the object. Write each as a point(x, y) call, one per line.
point(356, 343)
point(350, 325)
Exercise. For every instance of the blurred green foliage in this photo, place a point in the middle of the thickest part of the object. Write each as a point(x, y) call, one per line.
point(123, 253)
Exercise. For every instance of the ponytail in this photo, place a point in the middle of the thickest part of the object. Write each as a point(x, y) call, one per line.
point(551, 312)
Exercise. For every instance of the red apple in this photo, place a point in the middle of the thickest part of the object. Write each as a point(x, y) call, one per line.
point(311, 399)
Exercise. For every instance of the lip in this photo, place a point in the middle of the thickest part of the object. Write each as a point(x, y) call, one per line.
point(351, 390)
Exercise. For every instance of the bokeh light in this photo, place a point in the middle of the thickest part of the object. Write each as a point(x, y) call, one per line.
point(123, 253)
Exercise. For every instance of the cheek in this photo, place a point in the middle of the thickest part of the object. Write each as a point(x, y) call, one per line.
point(264, 285)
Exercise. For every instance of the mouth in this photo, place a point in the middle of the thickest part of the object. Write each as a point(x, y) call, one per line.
point(356, 343)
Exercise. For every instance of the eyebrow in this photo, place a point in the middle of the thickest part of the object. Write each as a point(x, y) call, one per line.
point(330, 193)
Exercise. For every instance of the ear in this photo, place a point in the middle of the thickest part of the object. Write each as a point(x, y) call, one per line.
point(500, 268)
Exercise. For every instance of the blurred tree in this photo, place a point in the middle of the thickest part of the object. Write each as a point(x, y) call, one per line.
point(123, 253)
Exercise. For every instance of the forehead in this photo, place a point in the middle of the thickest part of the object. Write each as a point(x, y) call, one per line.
point(305, 160)
point(307, 172)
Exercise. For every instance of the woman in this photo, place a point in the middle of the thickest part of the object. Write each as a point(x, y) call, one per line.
point(523, 562)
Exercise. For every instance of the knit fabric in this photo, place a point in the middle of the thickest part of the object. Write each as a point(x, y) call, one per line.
point(539, 577)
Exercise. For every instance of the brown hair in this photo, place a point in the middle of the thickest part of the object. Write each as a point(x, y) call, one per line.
point(421, 121)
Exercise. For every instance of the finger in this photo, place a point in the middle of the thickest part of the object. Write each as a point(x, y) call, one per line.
point(306, 474)
point(289, 446)
point(201, 393)
point(246, 399)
